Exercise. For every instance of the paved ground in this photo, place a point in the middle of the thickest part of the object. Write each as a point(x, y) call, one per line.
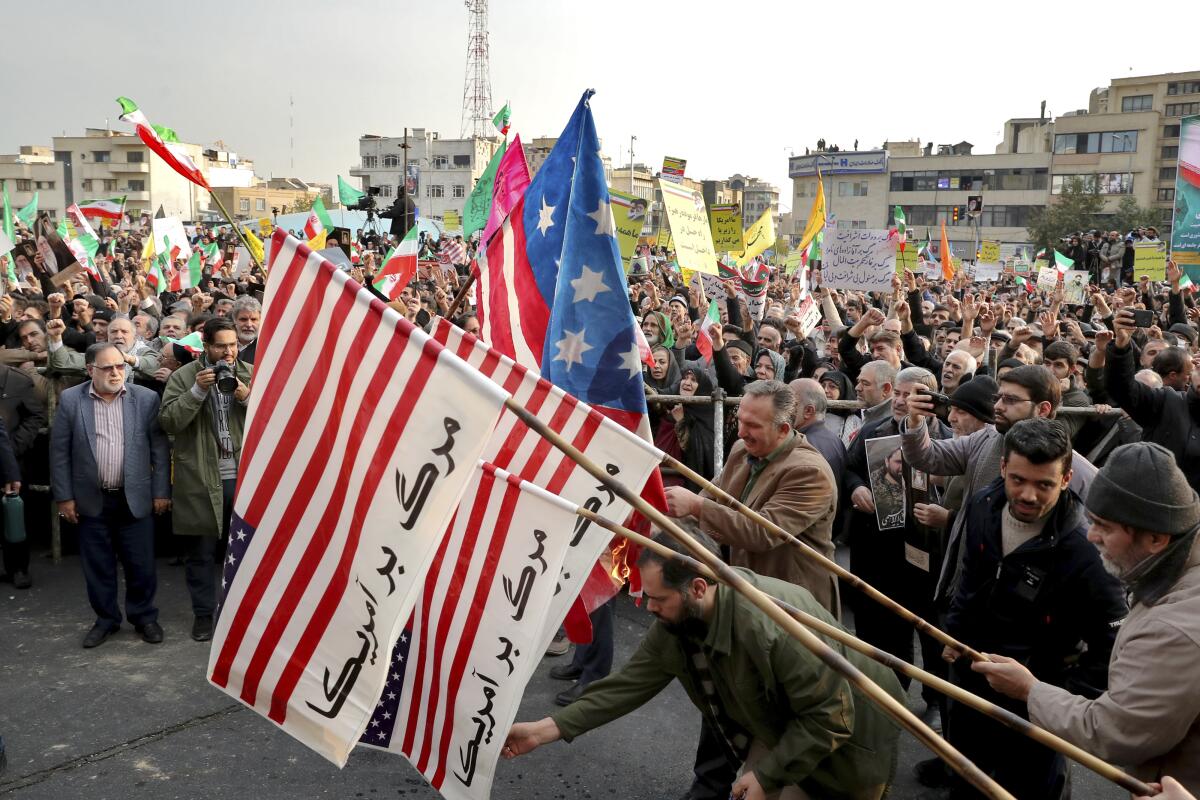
point(131, 720)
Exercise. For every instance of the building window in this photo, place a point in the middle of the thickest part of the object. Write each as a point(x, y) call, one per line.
point(101, 156)
point(1166, 194)
point(1106, 142)
point(458, 190)
point(135, 157)
point(1101, 183)
point(385, 190)
point(461, 161)
point(1182, 109)
point(845, 189)
point(137, 186)
point(1183, 87)
point(1137, 102)
point(369, 162)
point(435, 190)
point(43, 184)
point(858, 223)
point(260, 204)
point(391, 161)
point(86, 185)
point(1166, 173)
point(1170, 131)
point(440, 162)
point(1170, 151)
point(110, 185)
point(24, 185)
point(244, 204)
point(1015, 179)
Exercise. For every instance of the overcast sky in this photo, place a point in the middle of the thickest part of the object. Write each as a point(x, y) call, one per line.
point(730, 86)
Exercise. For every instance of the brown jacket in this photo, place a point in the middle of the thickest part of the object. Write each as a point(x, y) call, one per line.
point(796, 491)
point(1149, 719)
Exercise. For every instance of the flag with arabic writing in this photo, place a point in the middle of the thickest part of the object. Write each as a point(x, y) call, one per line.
point(475, 636)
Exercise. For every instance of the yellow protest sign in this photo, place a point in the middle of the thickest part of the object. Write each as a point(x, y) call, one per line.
point(664, 239)
point(725, 220)
point(1150, 260)
point(989, 252)
point(265, 228)
point(908, 259)
point(629, 215)
point(759, 237)
point(781, 246)
point(452, 221)
point(795, 260)
point(688, 219)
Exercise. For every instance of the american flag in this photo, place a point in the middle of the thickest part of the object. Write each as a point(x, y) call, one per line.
point(453, 252)
point(474, 640)
point(360, 438)
point(514, 447)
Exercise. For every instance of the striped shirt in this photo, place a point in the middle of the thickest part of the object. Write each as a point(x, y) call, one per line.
point(110, 438)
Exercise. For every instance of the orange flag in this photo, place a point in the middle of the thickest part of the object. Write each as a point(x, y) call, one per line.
point(947, 258)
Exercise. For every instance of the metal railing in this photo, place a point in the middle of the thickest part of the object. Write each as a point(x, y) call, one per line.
point(718, 399)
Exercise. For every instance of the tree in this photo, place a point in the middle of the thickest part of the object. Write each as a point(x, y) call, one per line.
point(1130, 215)
point(303, 202)
point(1075, 210)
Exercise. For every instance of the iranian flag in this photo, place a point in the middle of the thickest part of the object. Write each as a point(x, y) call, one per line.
point(501, 119)
point(80, 222)
point(213, 255)
point(901, 227)
point(318, 224)
point(1062, 263)
point(109, 208)
point(189, 276)
point(162, 141)
point(399, 268)
point(193, 343)
point(704, 339)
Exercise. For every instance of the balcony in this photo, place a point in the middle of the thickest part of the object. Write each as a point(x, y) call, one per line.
point(134, 197)
point(125, 167)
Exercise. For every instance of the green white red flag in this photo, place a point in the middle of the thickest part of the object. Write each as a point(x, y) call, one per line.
point(399, 268)
point(107, 208)
point(901, 227)
point(214, 257)
point(318, 221)
point(188, 276)
point(162, 141)
point(704, 338)
point(501, 119)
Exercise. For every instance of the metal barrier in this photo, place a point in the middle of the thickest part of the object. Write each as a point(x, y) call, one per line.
point(719, 400)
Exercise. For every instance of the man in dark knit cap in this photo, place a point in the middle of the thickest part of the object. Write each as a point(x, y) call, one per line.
point(1144, 517)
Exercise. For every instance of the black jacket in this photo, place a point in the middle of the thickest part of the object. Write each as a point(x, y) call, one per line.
point(1167, 416)
point(1041, 602)
point(21, 408)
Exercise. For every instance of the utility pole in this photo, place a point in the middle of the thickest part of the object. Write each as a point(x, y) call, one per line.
point(632, 139)
point(404, 182)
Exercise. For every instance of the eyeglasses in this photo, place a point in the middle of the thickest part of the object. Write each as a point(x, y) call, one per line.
point(1011, 399)
point(110, 368)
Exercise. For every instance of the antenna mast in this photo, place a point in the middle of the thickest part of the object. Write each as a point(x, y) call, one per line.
point(477, 88)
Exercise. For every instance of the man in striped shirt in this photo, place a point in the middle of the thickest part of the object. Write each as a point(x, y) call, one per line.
point(110, 468)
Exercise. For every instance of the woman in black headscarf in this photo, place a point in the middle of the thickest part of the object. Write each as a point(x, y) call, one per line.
point(694, 423)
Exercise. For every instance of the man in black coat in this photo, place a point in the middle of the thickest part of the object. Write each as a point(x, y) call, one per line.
point(1033, 588)
point(23, 412)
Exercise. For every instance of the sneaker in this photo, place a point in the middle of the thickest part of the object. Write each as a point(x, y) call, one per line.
point(559, 646)
point(202, 629)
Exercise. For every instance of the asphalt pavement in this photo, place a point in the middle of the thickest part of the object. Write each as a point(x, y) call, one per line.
point(134, 720)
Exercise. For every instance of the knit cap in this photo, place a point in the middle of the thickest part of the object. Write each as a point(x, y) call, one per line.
point(1141, 486)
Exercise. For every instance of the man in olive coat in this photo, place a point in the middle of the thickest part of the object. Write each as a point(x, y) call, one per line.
point(204, 409)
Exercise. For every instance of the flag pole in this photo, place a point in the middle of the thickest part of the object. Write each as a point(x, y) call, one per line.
point(462, 294)
point(237, 230)
point(998, 713)
point(830, 657)
point(829, 564)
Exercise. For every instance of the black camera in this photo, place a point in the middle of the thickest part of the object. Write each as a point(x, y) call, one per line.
point(227, 382)
point(367, 202)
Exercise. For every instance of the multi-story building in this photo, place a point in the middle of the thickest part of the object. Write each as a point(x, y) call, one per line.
point(441, 172)
point(757, 198)
point(103, 163)
point(538, 150)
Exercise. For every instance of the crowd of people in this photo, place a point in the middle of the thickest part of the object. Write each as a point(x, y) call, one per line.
point(962, 479)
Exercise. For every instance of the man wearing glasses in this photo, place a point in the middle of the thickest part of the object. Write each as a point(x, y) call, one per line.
point(1025, 392)
point(110, 468)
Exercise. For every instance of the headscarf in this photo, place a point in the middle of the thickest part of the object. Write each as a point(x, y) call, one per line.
point(664, 325)
point(699, 422)
point(842, 381)
point(669, 384)
point(776, 359)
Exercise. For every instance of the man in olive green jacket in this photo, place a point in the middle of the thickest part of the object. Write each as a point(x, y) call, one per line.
point(206, 425)
point(796, 726)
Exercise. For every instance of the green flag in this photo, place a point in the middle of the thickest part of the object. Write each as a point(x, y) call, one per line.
point(8, 217)
point(1062, 262)
point(28, 214)
point(501, 119)
point(479, 204)
point(347, 194)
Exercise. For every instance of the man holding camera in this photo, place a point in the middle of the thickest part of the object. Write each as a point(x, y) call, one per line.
point(204, 409)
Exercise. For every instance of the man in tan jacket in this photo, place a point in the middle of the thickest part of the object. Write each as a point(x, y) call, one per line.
point(775, 471)
point(1144, 519)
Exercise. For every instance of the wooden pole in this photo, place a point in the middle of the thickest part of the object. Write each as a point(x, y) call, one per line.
point(830, 657)
point(1001, 715)
point(461, 296)
point(237, 230)
point(837, 569)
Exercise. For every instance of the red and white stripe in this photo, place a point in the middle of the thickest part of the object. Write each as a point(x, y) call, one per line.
point(347, 398)
point(513, 315)
point(516, 448)
point(465, 619)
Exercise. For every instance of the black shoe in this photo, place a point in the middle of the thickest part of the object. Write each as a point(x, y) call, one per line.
point(152, 632)
point(566, 672)
point(569, 696)
point(202, 629)
point(96, 636)
point(21, 580)
point(933, 773)
point(932, 716)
